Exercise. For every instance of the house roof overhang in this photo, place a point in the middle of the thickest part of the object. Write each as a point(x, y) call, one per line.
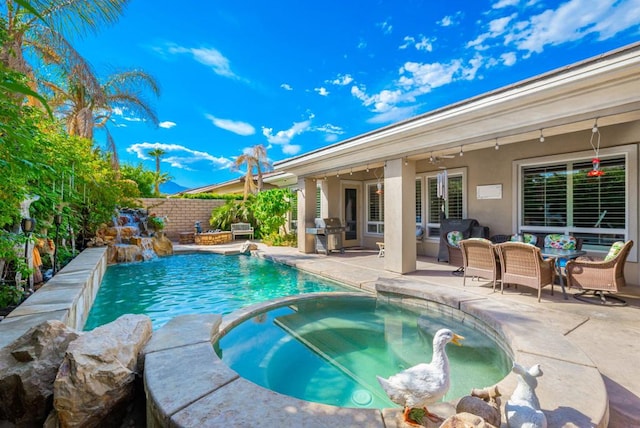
point(606, 87)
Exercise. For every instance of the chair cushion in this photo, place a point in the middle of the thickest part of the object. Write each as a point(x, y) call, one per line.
point(614, 250)
point(559, 241)
point(527, 238)
point(454, 237)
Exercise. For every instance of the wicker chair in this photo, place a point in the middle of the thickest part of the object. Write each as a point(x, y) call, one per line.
point(602, 277)
point(479, 260)
point(523, 264)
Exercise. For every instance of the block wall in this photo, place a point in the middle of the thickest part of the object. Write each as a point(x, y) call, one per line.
point(182, 213)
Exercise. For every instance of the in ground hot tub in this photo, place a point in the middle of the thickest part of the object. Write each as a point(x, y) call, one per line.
point(330, 349)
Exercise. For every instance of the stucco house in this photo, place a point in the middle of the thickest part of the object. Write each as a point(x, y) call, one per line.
point(517, 159)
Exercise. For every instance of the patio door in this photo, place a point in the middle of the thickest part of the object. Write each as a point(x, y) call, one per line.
point(351, 214)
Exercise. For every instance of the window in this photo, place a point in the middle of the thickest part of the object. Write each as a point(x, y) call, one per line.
point(560, 197)
point(419, 201)
point(454, 205)
point(318, 201)
point(375, 209)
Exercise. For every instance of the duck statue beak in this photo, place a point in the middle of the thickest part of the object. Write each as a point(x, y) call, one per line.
point(456, 338)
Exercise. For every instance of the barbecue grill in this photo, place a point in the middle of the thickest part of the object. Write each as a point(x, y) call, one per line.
point(328, 235)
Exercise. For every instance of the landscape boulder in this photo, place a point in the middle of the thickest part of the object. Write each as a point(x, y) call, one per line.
point(96, 379)
point(28, 368)
point(162, 246)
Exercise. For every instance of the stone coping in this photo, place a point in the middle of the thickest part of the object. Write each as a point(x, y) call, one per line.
point(66, 297)
point(188, 385)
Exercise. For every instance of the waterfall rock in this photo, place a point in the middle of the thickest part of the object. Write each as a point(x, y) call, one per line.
point(96, 378)
point(28, 367)
point(162, 245)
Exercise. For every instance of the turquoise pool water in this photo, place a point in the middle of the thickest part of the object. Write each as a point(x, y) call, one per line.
point(196, 283)
point(329, 350)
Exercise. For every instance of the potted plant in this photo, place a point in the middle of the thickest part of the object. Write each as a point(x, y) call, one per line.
point(155, 223)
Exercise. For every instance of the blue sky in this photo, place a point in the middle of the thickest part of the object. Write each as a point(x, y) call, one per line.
point(295, 76)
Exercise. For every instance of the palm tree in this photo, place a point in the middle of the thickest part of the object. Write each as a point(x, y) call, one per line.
point(157, 153)
point(256, 157)
point(86, 108)
point(42, 25)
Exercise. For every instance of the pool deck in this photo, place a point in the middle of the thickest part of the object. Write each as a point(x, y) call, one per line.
point(608, 336)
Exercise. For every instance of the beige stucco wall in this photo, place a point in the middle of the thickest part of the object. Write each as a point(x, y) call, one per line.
point(490, 166)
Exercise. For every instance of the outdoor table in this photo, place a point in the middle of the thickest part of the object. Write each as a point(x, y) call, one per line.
point(559, 254)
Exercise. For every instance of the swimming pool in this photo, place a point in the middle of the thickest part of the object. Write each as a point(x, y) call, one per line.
point(165, 287)
point(329, 349)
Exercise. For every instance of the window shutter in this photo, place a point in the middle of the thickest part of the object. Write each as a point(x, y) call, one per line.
point(545, 195)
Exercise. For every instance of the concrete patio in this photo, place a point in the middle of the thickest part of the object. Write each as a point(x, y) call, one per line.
point(609, 336)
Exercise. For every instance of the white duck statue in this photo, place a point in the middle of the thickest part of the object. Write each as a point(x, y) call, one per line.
point(423, 384)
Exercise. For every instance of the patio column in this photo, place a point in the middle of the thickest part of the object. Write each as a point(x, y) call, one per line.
point(400, 216)
point(306, 214)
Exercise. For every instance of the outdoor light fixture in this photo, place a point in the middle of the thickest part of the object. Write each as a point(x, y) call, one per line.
point(461, 152)
point(541, 136)
point(28, 225)
point(351, 171)
point(596, 171)
point(367, 167)
point(406, 162)
point(497, 147)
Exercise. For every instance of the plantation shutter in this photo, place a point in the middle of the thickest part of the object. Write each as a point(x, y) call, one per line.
point(545, 195)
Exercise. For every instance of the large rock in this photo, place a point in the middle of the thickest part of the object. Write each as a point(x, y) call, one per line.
point(162, 245)
point(96, 378)
point(28, 367)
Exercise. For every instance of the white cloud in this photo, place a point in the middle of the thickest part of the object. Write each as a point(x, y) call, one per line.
point(123, 113)
point(286, 87)
point(386, 27)
point(179, 156)
point(341, 80)
point(450, 20)
point(167, 124)
point(208, 56)
point(321, 91)
point(285, 136)
point(424, 44)
point(291, 149)
point(426, 76)
point(505, 3)
point(394, 114)
point(237, 127)
point(414, 79)
point(570, 21)
point(508, 58)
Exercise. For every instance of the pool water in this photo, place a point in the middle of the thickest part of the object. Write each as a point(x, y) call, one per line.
point(165, 287)
point(329, 350)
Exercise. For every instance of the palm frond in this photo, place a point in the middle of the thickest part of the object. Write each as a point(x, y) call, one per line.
point(78, 16)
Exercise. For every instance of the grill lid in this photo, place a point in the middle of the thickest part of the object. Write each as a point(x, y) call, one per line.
point(329, 222)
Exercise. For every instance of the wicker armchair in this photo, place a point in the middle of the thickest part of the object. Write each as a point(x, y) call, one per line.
point(523, 264)
point(602, 277)
point(479, 260)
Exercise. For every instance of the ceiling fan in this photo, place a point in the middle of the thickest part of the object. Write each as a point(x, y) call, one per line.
point(437, 159)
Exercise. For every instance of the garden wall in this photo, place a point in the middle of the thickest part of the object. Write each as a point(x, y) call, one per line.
point(182, 213)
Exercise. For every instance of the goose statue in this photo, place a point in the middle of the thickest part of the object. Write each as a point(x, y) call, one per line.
point(423, 384)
